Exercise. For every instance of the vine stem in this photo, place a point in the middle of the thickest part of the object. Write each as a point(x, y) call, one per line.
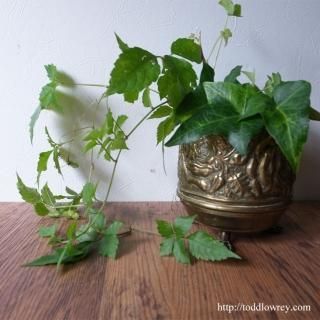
point(90, 85)
point(119, 153)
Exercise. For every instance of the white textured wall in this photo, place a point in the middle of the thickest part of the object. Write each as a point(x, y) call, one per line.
point(77, 35)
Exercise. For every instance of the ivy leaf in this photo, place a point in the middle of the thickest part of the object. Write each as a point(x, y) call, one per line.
point(226, 34)
point(288, 121)
point(188, 49)
point(33, 120)
point(251, 76)
point(203, 246)
point(48, 232)
point(272, 82)
point(29, 195)
point(109, 244)
point(134, 70)
point(146, 98)
point(178, 79)
point(161, 112)
point(314, 114)
point(165, 228)
point(88, 193)
point(182, 225)
point(122, 45)
point(231, 8)
point(229, 112)
point(43, 162)
point(47, 96)
point(233, 75)
point(164, 129)
point(207, 73)
point(47, 196)
point(180, 252)
point(41, 209)
point(166, 247)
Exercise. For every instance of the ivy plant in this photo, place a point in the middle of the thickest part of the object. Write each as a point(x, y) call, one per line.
point(189, 105)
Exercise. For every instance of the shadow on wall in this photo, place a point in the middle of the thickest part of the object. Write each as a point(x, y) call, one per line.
point(307, 185)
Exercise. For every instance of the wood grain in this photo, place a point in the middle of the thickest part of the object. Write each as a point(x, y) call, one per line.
point(281, 269)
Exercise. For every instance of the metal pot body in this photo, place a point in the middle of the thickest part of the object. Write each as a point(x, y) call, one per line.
point(234, 192)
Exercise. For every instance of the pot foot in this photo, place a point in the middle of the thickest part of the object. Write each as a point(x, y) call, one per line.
point(274, 230)
point(225, 237)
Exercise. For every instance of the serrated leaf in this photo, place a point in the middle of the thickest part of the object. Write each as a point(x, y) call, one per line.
point(52, 72)
point(182, 225)
point(108, 246)
point(97, 219)
point(90, 145)
point(207, 73)
point(288, 121)
point(41, 209)
point(203, 246)
point(114, 228)
point(188, 49)
point(180, 252)
point(146, 100)
point(50, 140)
point(85, 233)
point(56, 160)
point(43, 162)
point(122, 45)
point(165, 228)
point(164, 129)
point(88, 193)
point(121, 120)
point(108, 125)
point(231, 8)
point(161, 112)
point(29, 195)
point(134, 71)
point(226, 34)
point(33, 120)
point(48, 232)
point(233, 75)
point(251, 76)
point(47, 196)
point(47, 96)
point(314, 114)
point(118, 143)
point(166, 247)
point(178, 79)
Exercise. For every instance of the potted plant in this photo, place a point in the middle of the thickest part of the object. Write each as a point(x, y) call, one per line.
point(240, 148)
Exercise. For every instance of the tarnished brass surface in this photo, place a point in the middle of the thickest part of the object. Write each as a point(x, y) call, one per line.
point(233, 192)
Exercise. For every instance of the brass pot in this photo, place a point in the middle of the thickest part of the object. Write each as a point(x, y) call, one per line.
point(234, 192)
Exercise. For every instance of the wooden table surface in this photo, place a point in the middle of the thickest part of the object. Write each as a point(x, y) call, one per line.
point(280, 269)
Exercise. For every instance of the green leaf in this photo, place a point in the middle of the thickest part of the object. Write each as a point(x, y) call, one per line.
point(146, 98)
point(164, 129)
point(166, 247)
point(161, 112)
point(56, 160)
point(97, 219)
point(165, 228)
point(229, 112)
point(272, 82)
point(33, 120)
point(50, 140)
point(108, 246)
point(121, 120)
point(207, 73)
point(119, 142)
point(114, 228)
point(41, 209)
point(52, 72)
point(288, 121)
point(314, 114)
point(43, 162)
point(203, 246)
point(180, 252)
point(85, 233)
point(231, 8)
point(134, 71)
point(226, 34)
point(88, 193)
point(122, 45)
point(251, 76)
point(48, 96)
point(71, 231)
point(70, 214)
point(48, 232)
point(29, 195)
point(183, 224)
point(71, 192)
point(178, 79)
point(233, 75)
point(47, 196)
point(188, 49)
point(90, 145)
